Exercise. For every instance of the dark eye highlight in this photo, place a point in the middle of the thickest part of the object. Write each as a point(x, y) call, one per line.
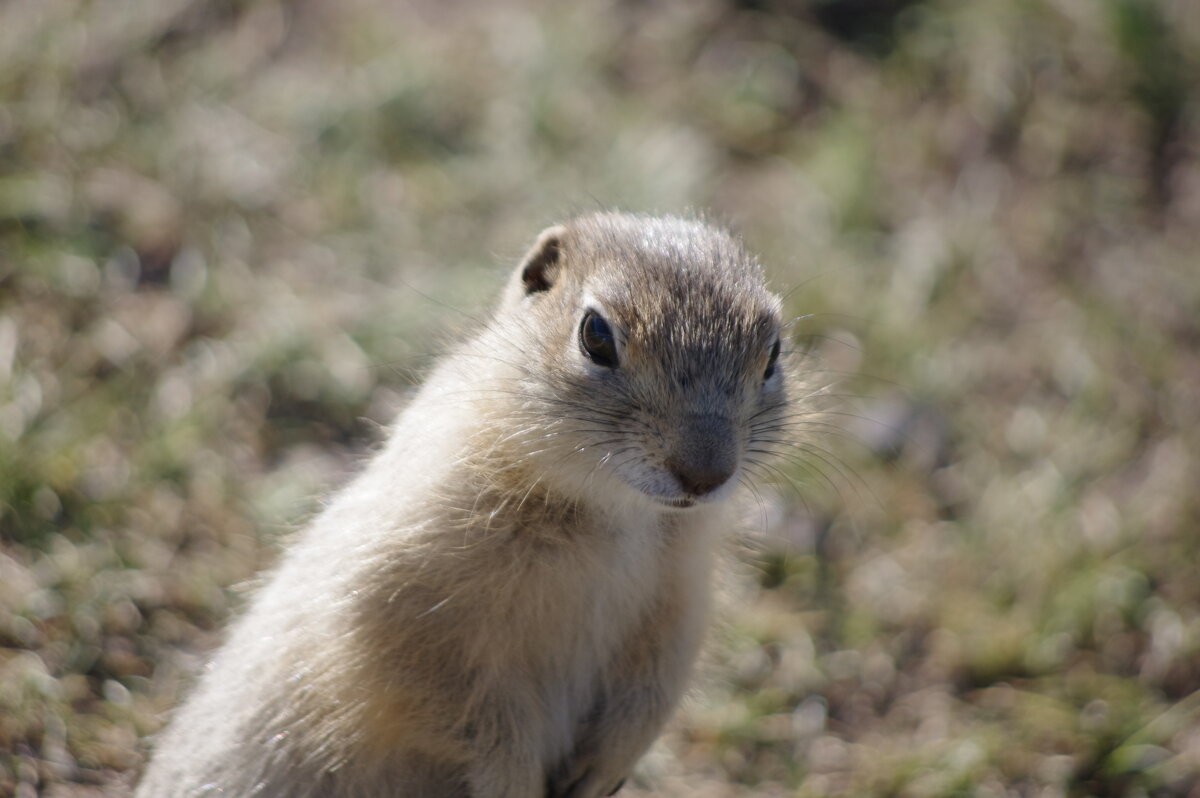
point(597, 341)
point(772, 361)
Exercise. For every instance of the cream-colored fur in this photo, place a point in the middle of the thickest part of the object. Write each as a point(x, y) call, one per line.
point(508, 601)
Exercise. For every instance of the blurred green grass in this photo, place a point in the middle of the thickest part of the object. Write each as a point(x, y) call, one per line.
point(232, 234)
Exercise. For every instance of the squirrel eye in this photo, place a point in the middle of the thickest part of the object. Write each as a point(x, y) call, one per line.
point(597, 341)
point(772, 361)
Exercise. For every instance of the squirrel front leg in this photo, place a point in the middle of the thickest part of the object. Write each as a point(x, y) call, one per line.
point(639, 691)
point(604, 757)
point(505, 762)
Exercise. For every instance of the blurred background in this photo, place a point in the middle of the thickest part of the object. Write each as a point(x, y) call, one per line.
point(233, 233)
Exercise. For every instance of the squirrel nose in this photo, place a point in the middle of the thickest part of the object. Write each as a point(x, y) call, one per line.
point(707, 454)
point(698, 479)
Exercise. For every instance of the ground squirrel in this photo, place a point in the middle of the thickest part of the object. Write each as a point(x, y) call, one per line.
point(508, 601)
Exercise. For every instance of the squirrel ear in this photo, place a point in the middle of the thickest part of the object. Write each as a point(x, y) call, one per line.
point(540, 268)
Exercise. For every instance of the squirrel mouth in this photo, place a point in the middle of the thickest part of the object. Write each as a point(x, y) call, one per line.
point(681, 503)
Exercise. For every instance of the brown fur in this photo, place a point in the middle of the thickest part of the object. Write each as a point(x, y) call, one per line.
point(508, 601)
